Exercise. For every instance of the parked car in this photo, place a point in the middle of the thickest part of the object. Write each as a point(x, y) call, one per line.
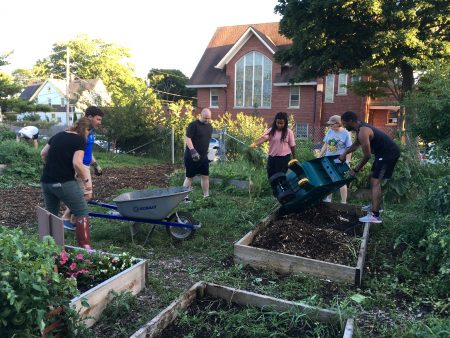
point(213, 150)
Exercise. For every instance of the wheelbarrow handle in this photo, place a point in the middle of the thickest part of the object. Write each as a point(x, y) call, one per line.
point(104, 205)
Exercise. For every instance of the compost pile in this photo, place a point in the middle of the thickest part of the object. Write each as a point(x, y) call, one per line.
point(321, 233)
point(17, 207)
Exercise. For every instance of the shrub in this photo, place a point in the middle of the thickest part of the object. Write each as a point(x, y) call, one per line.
point(6, 134)
point(29, 285)
point(24, 162)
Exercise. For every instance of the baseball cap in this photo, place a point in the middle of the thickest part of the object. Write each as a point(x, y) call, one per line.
point(334, 119)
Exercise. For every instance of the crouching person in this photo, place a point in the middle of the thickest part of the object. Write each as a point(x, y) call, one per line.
point(63, 157)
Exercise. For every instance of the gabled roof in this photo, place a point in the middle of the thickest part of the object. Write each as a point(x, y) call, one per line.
point(76, 88)
point(225, 43)
point(30, 90)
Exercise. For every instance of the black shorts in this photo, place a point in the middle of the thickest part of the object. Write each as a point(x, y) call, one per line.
point(276, 164)
point(383, 169)
point(196, 168)
point(35, 137)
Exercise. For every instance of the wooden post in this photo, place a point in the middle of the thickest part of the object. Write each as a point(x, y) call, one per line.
point(50, 225)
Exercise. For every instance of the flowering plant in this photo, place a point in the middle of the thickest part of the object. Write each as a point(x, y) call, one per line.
point(90, 268)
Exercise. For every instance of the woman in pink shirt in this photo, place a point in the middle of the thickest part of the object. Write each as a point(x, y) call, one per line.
point(281, 144)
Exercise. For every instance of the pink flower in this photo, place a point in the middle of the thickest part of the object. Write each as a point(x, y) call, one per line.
point(80, 256)
point(73, 266)
point(64, 257)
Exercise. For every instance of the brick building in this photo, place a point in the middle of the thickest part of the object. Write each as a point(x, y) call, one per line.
point(238, 73)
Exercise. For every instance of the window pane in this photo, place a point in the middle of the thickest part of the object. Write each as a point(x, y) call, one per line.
point(248, 84)
point(214, 97)
point(294, 99)
point(342, 84)
point(239, 88)
point(302, 130)
point(267, 82)
point(257, 83)
point(329, 88)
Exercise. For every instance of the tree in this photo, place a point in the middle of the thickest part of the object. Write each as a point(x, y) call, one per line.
point(430, 104)
point(91, 59)
point(352, 34)
point(170, 85)
point(9, 89)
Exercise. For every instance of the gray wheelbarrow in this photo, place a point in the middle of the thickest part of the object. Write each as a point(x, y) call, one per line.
point(152, 207)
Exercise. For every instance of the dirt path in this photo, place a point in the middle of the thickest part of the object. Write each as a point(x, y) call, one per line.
point(17, 204)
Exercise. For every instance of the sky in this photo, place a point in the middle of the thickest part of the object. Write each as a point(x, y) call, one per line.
point(167, 34)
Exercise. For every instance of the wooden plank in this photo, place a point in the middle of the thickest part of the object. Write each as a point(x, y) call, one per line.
point(243, 297)
point(166, 317)
point(362, 255)
point(57, 229)
point(43, 222)
point(132, 280)
point(246, 254)
point(286, 264)
point(170, 313)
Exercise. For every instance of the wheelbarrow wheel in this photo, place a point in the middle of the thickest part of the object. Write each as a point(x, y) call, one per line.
point(179, 233)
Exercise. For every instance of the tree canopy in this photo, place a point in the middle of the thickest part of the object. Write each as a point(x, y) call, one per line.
point(329, 36)
point(170, 85)
point(90, 59)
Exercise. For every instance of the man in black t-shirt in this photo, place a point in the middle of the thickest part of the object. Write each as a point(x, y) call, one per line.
point(386, 151)
point(198, 135)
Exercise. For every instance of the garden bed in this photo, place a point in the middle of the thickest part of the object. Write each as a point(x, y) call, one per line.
point(326, 241)
point(200, 294)
point(132, 280)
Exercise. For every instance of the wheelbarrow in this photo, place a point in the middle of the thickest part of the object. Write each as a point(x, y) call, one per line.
point(309, 182)
point(152, 207)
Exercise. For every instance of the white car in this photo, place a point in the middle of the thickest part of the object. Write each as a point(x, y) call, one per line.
point(213, 150)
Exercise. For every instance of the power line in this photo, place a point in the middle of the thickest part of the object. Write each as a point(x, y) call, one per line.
point(168, 74)
point(160, 91)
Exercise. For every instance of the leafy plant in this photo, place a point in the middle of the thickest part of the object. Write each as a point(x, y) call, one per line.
point(30, 286)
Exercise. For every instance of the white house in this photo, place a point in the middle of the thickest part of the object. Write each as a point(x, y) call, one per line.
point(52, 92)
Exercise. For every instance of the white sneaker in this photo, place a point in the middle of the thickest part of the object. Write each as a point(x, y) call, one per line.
point(368, 208)
point(371, 218)
point(328, 200)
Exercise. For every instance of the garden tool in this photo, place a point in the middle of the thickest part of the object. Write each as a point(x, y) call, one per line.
point(83, 232)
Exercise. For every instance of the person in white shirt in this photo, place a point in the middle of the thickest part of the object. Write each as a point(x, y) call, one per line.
point(29, 133)
point(336, 142)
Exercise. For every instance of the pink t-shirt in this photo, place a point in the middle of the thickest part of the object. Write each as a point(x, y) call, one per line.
point(276, 147)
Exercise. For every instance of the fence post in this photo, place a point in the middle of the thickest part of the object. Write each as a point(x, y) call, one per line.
point(173, 145)
point(223, 147)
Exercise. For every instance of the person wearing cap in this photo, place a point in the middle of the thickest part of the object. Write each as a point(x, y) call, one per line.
point(386, 151)
point(335, 142)
point(29, 133)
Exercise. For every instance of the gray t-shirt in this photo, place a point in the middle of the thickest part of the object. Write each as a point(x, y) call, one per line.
point(337, 141)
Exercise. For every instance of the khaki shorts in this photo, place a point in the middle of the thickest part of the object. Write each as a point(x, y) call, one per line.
point(87, 174)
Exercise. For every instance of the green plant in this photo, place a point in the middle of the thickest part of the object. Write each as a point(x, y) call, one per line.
point(30, 286)
point(6, 134)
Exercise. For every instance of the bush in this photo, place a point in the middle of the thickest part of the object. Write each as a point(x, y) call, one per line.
point(30, 287)
point(6, 134)
point(24, 162)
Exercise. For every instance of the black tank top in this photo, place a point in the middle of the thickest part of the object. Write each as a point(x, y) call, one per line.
point(381, 145)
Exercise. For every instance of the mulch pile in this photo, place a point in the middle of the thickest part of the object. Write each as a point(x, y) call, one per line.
point(17, 206)
point(320, 233)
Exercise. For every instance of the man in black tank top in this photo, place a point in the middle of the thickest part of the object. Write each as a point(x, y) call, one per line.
point(386, 151)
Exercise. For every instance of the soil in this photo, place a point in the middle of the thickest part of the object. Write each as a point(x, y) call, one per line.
point(218, 315)
point(17, 204)
point(320, 233)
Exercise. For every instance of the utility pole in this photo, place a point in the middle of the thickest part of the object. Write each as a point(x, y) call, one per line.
point(67, 87)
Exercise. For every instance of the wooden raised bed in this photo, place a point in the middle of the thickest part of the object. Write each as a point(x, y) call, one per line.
point(246, 254)
point(132, 279)
point(241, 297)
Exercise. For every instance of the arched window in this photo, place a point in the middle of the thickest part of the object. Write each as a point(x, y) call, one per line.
point(253, 81)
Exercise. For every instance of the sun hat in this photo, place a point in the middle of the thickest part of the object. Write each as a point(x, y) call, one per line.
point(334, 119)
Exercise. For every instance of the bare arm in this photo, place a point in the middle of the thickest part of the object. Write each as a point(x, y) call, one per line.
point(364, 140)
point(44, 152)
point(78, 165)
point(189, 143)
point(323, 150)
